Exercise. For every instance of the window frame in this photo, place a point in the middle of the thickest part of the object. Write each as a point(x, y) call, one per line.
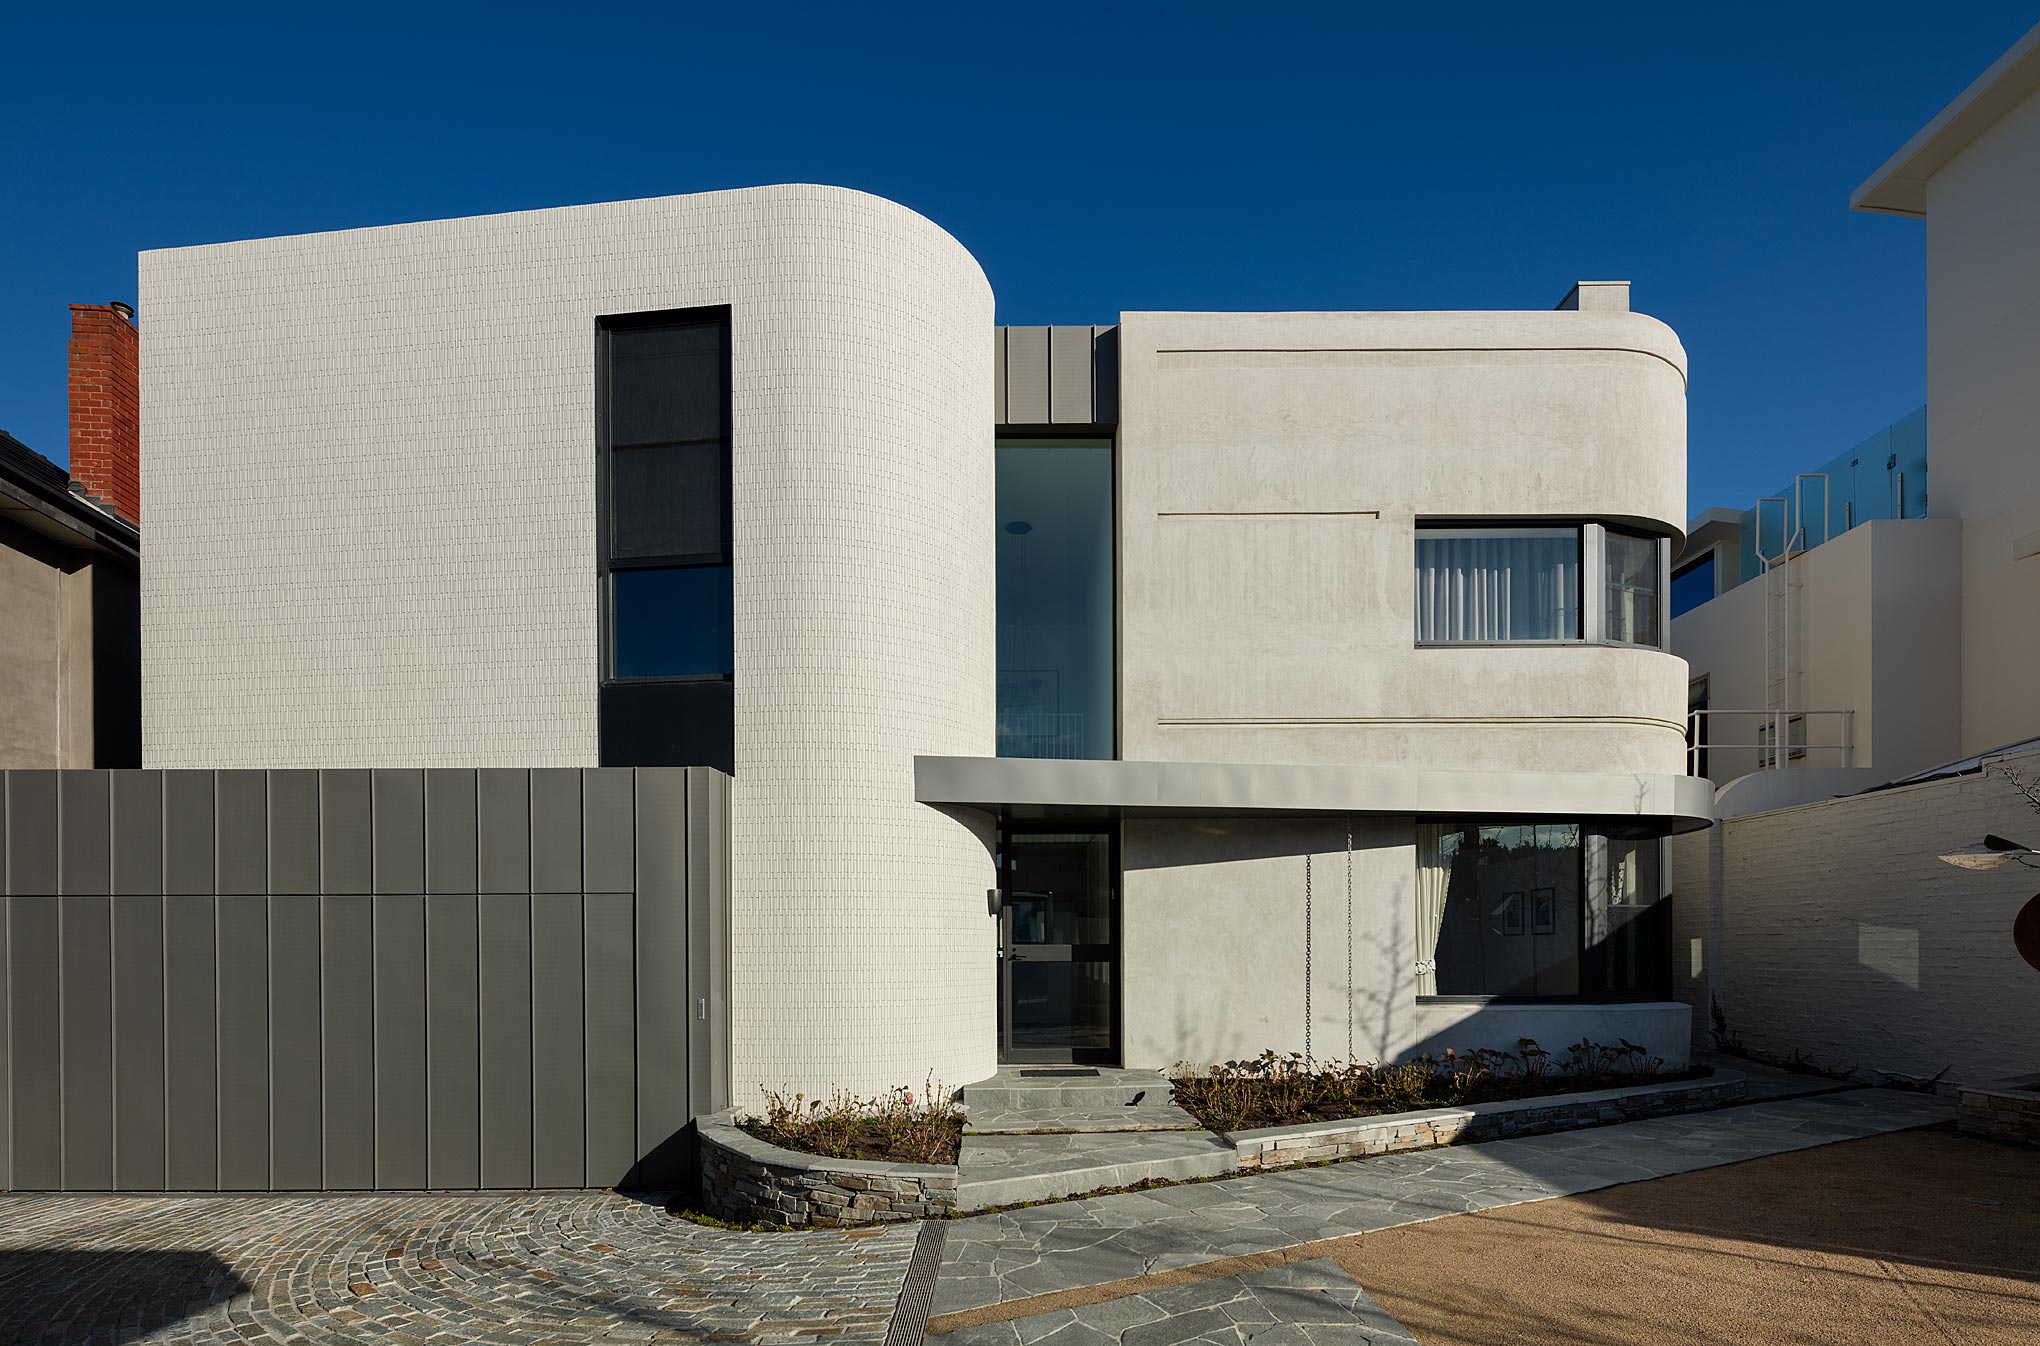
point(1593, 580)
point(1595, 834)
point(606, 562)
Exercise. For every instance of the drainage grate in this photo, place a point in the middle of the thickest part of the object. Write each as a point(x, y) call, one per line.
point(917, 1293)
point(1058, 1074)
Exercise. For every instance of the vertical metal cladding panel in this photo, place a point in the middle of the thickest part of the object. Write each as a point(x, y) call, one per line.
point(708, 941)
point(86, 924)
point(347, 983)
point(38, 1065)
point(999, 416)
point(84, 825)
point(504, 938)
point(138, 832)
point(293, 831)
point(400, 1040)
point(663, 1006)
point(558, 1139)
point(346, 845)
point(138, 1042)
point(1070, 382)
point(503, 831)
point(1027, 376)
point(243, 1099)
point(31, 858)
point(241, 827)
point(450, 831)
point(188, 832)
point(453, 1040)
point(296, 1161)
point(191, 1067)
point(556, 831)
point(608, 830)
point(610, 1027)
point(399, 832)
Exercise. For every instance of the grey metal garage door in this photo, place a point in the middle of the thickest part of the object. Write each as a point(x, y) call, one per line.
point(337, 980)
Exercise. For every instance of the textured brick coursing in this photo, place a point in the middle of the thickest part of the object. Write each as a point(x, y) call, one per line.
point(2003, 1113)
point(1833, 931)
point(747, 1180)
point(1285, 1147)
point(370, 463)
point(106, 436)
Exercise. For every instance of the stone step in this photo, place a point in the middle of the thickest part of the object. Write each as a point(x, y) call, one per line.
point(1009, 1170)
point(1035, 1087)
point(998, 1120)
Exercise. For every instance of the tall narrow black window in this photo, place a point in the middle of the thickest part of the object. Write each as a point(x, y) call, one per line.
point(668, 655)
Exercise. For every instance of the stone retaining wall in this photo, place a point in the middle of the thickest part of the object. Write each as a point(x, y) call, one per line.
point(749, 1181)
point(1316, 1142)
point(2007, 1111)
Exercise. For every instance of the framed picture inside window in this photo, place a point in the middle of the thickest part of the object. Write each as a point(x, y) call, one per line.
point(1510, 913)
point(1544, 911)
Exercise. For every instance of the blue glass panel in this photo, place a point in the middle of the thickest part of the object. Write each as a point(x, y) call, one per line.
point(1884, 477)
point(1055, 599)
point(672, 623)
point(1693, 586)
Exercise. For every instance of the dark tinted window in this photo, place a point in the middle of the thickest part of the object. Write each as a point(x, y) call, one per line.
point(1693, 586)
point(666, 384)
point(666, 500)
point(672, 622)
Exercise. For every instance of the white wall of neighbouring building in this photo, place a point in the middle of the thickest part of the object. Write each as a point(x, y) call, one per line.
point(1832, 931)
point(370, 462)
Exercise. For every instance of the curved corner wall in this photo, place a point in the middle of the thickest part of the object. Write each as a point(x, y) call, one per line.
point(369, 457)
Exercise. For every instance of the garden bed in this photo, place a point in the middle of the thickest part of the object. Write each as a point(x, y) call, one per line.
point(1286, 1091)
point(895, 1128)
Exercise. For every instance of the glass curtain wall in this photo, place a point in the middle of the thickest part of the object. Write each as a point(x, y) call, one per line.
point(1056, 694)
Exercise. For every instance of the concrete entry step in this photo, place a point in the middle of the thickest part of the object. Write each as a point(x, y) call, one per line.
point(1019, 1087)
point(1007, 1170)
point(995, 1120)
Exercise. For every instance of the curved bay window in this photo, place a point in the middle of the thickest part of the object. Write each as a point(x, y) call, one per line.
point(1541, 910)
point(1504, 583)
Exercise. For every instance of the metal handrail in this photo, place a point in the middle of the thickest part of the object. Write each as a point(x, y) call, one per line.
point(1774, 752)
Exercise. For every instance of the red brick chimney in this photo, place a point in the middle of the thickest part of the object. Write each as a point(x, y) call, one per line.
point(106, 406)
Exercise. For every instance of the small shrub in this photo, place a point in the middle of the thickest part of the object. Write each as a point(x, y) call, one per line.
point(896, 1127)
point(1283, 1090)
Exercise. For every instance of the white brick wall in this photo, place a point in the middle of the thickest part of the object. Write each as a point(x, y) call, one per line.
point(1837, 933)
point(369, 459)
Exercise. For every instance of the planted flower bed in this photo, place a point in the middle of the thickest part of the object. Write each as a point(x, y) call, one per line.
point(1285, 1090)
point(894, 1128)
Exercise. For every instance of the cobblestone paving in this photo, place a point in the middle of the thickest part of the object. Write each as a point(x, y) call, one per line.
point(992, 1259)
point(1305, 1304)
point(518, 1270)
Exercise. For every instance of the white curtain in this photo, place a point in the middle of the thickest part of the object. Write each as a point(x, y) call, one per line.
point(1498, 584)
point(1432, 877)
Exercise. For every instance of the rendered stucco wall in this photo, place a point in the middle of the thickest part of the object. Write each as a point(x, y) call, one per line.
point(1833, 930)
point(52, 608)
point(1983, 347)
point(1213, 950)
point(369, 459)
point(1272, 469)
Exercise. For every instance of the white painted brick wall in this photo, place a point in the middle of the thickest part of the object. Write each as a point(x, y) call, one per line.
point(369, 459)
point(1838, 933)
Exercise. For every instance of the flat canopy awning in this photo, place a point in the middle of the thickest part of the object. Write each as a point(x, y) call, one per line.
point(1685, 803)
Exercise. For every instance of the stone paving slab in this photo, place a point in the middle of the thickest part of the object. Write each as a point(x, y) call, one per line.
point(1003, 1170)
point(991, 1259)
point(1067, 1086)
point(1151, 1114)
point(1304, 1304)
point(505, 1270)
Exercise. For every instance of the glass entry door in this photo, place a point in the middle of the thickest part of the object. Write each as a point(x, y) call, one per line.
point(1058, 931)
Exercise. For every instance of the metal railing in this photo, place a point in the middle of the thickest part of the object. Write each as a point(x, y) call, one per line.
point(1781, 737)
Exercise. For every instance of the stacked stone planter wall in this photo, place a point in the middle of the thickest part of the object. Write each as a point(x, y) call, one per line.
point(2007, 1111)
point(749, 1181)
point(1316, 1142)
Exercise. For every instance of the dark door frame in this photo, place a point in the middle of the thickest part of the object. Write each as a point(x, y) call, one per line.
point(1008, 1053)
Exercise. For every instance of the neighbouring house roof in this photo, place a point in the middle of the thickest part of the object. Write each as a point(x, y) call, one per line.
point(1966, 766)
point(1900, 187)
point(37, 494)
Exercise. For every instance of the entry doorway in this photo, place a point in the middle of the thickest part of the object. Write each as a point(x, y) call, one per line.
point(1058, 944)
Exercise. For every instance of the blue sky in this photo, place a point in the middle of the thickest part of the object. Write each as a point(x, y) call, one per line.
point(1094, 157)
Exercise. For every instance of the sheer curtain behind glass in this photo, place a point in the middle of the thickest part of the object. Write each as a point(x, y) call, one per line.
point(1632, 589)
point(1498, 584)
